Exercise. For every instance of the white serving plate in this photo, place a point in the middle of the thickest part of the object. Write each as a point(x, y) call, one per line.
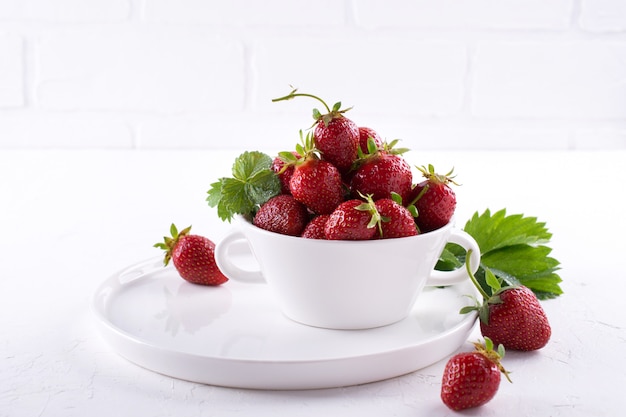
point(235, 336)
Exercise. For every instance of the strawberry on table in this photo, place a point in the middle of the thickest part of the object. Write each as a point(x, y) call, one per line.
point(193, 257)
point(434, 199)
point(471, 379)
point(282, 214)
point(336, 136)
point(511, 316)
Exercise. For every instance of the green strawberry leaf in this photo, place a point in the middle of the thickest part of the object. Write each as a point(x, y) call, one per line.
point(450, 259)
point(499, 230)
point(513, 252)
point(252, 184)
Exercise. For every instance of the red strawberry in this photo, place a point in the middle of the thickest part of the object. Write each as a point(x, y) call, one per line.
point(434, 199)
point(193, 257)
point(338, 140)
point(382, 173)
point(317, 184)
point(282, 214)
point(315, 228)
point(515, 319)
point(471, 379)
point(284, 171)
point(336, 136)
point(396, 220)
point(352, 220)
point(364, 134)
point(512, 316)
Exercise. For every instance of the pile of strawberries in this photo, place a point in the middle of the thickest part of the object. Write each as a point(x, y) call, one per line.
point(344, 182)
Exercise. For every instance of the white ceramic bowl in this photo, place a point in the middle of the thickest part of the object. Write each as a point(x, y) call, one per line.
point(344, 284)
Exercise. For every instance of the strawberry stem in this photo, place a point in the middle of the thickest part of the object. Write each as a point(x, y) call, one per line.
point(293, 94)
point(473, 278)
point(421, 193)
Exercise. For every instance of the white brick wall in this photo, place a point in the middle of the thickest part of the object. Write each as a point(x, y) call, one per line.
point(444, 74)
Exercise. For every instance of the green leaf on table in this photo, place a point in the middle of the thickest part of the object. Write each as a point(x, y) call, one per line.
point(499, 230)
point(513, 248)
point(252, 183)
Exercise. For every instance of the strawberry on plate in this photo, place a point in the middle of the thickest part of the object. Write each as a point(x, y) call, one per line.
point(471, 379)
point(514, 318)
point(511, 316)
point(193, 257)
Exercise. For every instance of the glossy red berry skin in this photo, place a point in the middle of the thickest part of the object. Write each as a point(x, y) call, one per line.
point(436, 206)
point(516, 320)
point(398, 221)
point(194, 259)
point(282, 214)
point(338, 142)
point(364, 134)
point(381, 175)
point(318, 185)
point(315, 228)
point(349, 223)
point(469, 380)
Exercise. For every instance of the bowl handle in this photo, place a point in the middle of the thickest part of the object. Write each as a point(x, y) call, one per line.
point(229, 268)
point(441, 278)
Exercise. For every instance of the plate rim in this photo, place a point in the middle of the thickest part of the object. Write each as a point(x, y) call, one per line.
point(115, 336)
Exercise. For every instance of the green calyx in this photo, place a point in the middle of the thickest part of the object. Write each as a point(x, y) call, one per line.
point(370, 206)
point(306, 149)
point(495, 356)
point(374, 150)
point(169, 243)
point(330, 114)
point(430, 174)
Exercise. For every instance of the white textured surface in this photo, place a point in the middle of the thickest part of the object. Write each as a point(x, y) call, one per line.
point(71, 218)
point(446, 74)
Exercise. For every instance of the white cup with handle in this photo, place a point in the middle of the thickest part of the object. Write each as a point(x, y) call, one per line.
point(339, 284)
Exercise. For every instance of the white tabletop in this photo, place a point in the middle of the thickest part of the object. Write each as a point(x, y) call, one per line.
point(72, 218)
